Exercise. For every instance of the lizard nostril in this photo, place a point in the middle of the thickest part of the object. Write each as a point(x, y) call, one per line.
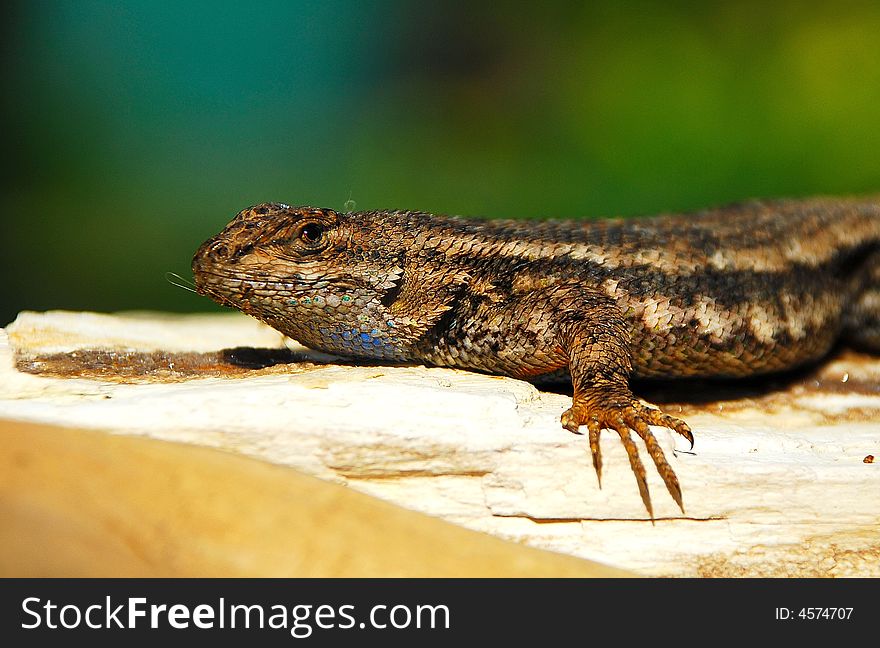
point(212, 252)
point(220, 251)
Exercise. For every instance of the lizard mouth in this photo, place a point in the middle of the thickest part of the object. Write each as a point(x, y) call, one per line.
point(211, 285)
point(208, 265)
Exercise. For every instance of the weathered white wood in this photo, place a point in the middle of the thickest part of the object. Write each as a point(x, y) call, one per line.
point(776, 485)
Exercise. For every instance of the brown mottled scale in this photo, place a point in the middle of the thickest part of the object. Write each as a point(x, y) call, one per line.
point(742, 290)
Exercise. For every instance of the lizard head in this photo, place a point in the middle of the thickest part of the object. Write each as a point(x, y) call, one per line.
point(270, 234)
point(307, 272)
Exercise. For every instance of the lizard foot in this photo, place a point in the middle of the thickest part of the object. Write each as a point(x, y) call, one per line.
point(622, 419)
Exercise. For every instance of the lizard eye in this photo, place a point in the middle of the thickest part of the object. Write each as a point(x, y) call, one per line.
point(311, 233)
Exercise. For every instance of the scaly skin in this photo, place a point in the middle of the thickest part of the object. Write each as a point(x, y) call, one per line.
point(738, 291)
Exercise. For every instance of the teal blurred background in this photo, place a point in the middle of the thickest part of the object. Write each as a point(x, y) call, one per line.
point(132, 131)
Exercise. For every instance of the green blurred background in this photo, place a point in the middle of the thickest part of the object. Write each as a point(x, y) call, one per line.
point(132, 131)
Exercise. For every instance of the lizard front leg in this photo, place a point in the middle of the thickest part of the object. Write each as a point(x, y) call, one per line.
point(597, 343)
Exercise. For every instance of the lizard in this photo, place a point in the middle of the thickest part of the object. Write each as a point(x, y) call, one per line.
point(751, 288)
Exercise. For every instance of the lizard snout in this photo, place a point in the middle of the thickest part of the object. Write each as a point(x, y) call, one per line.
point(213, 253)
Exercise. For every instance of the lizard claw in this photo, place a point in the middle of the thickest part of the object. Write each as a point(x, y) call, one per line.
point(623, 419)
point(595, 428)
point(655, 417)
